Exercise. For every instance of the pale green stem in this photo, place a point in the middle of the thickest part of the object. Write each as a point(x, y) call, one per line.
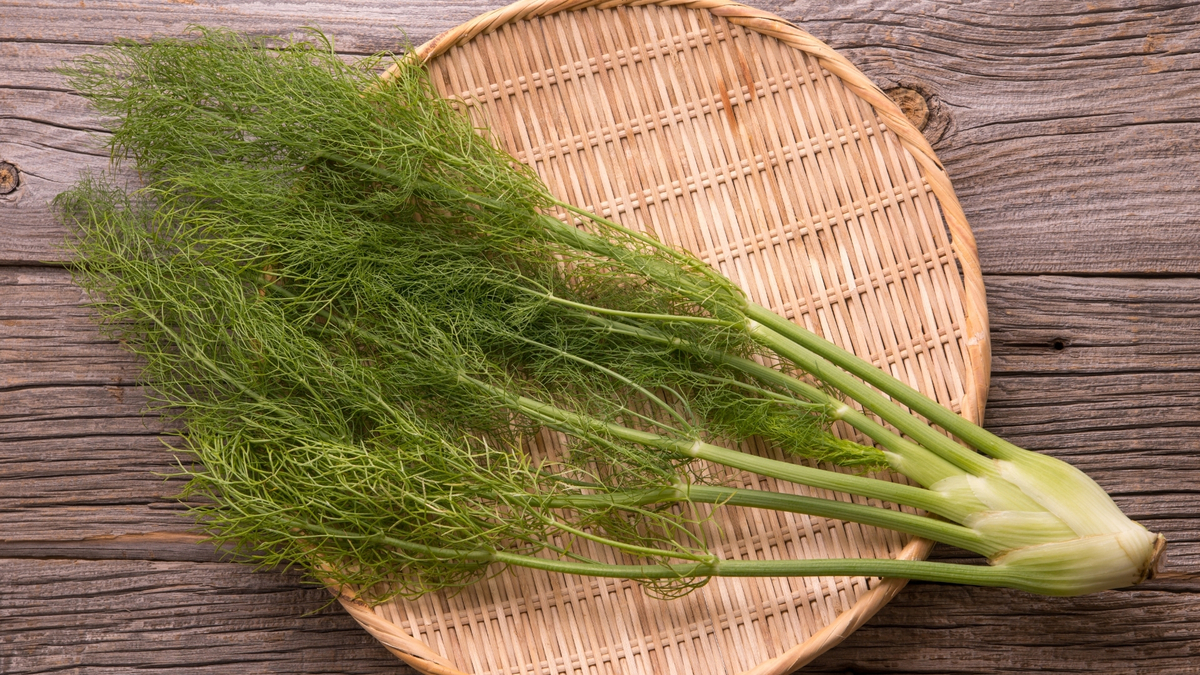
point(669, 251)
point(830, 480)
point(801, 346)
point(975, 436)
point(615, 375)
point(576, 424)
point(920, 526)
point(628, 548)
point(903, 420)
point(909, 458)
point(678, 318)
point(975, 575)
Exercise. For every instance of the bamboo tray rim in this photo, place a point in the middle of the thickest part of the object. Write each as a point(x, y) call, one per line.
point(976, 338)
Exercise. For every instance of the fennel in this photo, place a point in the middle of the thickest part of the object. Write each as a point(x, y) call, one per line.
point(361, 309)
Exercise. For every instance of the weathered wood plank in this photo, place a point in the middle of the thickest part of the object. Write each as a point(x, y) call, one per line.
point(944, 630)
point(1094, 325)
point(88, 484)
point(158, 546)
point(118, 617)
point(48, 337)
point(1070, 135)
point(361, 26)
point(1068, 126)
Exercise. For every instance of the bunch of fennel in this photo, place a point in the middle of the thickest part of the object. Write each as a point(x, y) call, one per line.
point(360, 309)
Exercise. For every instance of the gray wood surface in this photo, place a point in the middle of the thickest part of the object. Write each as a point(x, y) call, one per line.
point(1072, 135)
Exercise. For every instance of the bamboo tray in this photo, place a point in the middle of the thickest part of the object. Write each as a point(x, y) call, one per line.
point(729, 132)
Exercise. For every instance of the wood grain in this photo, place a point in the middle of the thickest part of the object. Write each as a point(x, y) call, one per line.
point(1070, 123)
point(1095, 325)
point(115, 617)
point(1071, 133)
point(972, 630)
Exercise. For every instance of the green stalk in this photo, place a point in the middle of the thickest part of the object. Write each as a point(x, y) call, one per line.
point(920, 570)
point(621, 546)
point(920, 526)
point(907, 457)
point(827, 352)
point(784, 337)
point(550, 297)
point(662, 405)
point(903, 420)
point(575, 424)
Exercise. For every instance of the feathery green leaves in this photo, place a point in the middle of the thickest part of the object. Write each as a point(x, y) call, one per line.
point(331, 276)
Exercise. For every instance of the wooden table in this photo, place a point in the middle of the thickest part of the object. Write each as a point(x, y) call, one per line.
point(1071, 132)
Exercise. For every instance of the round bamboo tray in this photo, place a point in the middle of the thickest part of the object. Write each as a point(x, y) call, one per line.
point(727, 131)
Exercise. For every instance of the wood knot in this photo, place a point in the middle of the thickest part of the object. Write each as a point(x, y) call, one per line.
point(912, 104)
point(10, 178)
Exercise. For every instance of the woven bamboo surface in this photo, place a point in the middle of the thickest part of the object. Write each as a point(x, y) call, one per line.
point(737, 136)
